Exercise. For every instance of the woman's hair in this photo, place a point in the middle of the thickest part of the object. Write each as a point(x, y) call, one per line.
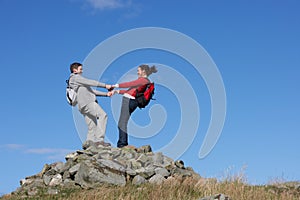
point(148, 70)
point(74, 65)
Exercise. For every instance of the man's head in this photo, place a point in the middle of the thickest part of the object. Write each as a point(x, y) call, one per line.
point(76, 68)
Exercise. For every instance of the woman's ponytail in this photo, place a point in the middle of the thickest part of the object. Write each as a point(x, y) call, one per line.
point(152, 69)
point(148, 70)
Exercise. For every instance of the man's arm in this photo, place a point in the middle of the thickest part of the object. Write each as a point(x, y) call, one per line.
point(100, 93)
point(88, 82)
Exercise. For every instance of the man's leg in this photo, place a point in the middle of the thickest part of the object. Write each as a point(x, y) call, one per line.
point(96, 120)
point(91, 124)
point(101, 117)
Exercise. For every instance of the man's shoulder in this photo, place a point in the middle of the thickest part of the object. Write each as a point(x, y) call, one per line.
point(75, 76)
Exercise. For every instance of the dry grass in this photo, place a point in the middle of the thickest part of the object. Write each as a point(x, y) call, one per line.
point(188, 190)
point(232, 185)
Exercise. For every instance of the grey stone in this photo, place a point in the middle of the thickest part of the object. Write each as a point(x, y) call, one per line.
point(47, 179)
point(135, 164)
point(74, 169)
point(130, 172)
point(67, 175)
point(71, 156)
point(85, 152)
point(50, 172)
point(162, 171)
point(94, 150)
point(142, 159)
point(58, 167)
point(138, 180)
point(115, 153)
point(56, 180)
point(105, 155)
point(144, 149)
point(145, 172)
point(112, 165)
point(167, 161)
point(96, 165)
point(44, 170)
point(128, 154)
point(83, 157)
point(89, 177)
point(157, 179)
point(182, 172)
point(179, 164)
point(38, 183)
point(158, 159)
point(26, 181)
point(68, 165)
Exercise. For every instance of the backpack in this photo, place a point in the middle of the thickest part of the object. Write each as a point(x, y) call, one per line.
point(71, 94)
point(144, 94)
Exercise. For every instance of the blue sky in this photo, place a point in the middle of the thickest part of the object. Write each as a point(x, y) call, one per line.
point(253, 44)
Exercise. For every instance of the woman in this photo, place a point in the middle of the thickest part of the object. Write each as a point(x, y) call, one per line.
point(129, 103)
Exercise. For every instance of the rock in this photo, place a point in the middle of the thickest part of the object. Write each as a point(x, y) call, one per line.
point(58, 167)
point(158, 159)
point(145, 172)
point(157, 179)
point(73, 170)
point(162, 171)
point(45, 168)
point(135, 165)
point(71, 156)
point(105, 155)
point(167, 161)
point(88, 176)
point(144, 149)
point(114, 165)
point(47, 179)
point(56, 180)
point(96, 165)
point(179, 164)
point(138, 180)
point(26, 181)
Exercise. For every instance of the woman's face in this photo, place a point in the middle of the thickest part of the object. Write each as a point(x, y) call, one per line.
point(141, 73)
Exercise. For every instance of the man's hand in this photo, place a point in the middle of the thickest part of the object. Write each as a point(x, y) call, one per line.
point(109, 87)
point(110, 93)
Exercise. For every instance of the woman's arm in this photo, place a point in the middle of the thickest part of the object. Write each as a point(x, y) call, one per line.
point(135, 83)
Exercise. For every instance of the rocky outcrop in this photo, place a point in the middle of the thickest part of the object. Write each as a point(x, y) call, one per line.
point(98, 165)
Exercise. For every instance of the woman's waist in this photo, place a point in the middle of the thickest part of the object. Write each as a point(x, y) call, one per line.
point(129, 96)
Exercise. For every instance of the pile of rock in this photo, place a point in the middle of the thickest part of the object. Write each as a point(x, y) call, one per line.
point(98, 165)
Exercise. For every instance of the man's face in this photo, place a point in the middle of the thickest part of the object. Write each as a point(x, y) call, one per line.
point(78, 70)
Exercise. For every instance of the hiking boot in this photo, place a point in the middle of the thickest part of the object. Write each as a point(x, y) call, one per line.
point(90, 143)
point(87, 144)
point(102, 143)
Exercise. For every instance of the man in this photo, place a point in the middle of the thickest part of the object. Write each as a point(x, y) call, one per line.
point(94, 115)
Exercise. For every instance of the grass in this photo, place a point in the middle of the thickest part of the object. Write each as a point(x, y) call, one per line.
point(189, 190)
point(232, 185)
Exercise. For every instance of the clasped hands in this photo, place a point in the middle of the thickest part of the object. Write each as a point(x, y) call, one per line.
point(111, 90)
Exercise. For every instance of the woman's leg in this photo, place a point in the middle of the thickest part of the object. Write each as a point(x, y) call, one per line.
point(128, 106)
